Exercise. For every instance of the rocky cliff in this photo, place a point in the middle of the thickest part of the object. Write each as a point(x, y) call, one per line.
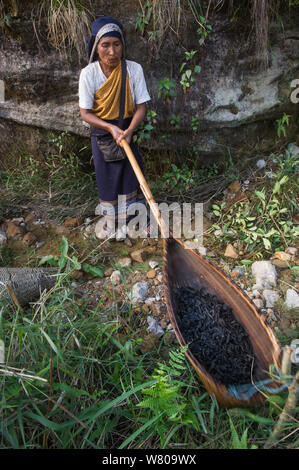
point(236, 102)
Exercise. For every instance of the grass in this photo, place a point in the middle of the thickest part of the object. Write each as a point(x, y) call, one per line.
point(79, 364)
point(75, 377)
point(68, 23)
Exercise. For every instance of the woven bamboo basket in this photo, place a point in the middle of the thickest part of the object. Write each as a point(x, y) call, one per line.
point(184, 267)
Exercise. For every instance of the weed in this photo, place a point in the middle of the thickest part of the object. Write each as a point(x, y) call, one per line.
point(282, 123)
point(187, 71)
point(166, 89)
point(144, 130)
point(68, 25)
point(265, 220)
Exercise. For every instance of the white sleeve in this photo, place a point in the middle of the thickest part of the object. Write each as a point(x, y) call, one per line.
point(86, 93)
point(140, 88)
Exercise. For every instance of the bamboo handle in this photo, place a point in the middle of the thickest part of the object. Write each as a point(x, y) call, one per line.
point(145, 188)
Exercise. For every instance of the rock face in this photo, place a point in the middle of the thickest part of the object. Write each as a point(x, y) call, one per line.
point(41, 88)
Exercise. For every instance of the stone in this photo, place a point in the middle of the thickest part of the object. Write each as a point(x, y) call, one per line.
point(72, 222)
point(29, 238)
point(280, 263)
point(98, 210)
point(108, 272)
point(258, 303)
point(31, 217)
point(293, 149)
point(150, 342)
point(14, 232)
point(230, 252)
point(264, 273)
point(271, 314)
point(218, 233)
point(282, 255)
point(153, 264)
point(154, 327)
point(150, 300)
point(61, 230)
point(139, 291)
point(291, 250)
point(256, 293)
point(76, 274)
point(40, 244)
point(151, 274)
point(261, 164)
point(128, 242)
point(115, 277)
point(234, 187)
point(160, 277)
point(270, 297)
point(237, 272)
point(138, 255)
point(3, 238)
point(292, 299)
point(18, 220)
point(202, 250)
point(125, 262)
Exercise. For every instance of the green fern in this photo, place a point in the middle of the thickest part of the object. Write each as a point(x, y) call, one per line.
point(165, 397)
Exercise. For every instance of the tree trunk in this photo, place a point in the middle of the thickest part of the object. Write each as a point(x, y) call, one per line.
point(26, 284)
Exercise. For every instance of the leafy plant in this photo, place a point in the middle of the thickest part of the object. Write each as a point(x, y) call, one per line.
point(282, 123)
point(68, 263)
point(179, 178)
point(187, 71)
point(146, 127)
point(166, 89)
point(264, 220)
point(239, 442)
point(165, 398)
point(204, 31)
point(194, 123)
point(175, 121)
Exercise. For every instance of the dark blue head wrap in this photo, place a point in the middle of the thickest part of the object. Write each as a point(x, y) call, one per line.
point(103, 26)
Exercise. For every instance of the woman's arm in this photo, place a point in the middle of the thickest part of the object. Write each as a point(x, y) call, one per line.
point(138, 117)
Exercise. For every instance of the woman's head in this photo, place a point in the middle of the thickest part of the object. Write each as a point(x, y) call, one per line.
point(110, 50)
point(104, 27)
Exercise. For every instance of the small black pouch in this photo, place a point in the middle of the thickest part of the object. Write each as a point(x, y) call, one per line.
point(110, 150)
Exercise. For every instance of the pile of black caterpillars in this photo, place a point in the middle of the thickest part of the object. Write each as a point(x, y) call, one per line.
point(217, 340)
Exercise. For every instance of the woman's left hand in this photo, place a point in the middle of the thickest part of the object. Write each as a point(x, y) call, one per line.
point(127, 134)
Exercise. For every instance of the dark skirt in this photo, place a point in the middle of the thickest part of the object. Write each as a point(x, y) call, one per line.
point(115, 179)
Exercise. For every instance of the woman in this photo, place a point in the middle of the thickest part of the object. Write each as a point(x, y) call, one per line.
point(100, 93)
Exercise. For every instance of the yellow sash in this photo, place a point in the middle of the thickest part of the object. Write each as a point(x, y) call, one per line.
point(107, 97)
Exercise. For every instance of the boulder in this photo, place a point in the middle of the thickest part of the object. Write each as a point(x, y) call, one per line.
point(264, 273)
point(292, 299)
point(139, 291)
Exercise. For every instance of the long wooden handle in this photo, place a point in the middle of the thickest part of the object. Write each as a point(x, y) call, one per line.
point(145, 188)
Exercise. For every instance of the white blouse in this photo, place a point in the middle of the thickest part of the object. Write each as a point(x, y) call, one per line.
point(92, 78)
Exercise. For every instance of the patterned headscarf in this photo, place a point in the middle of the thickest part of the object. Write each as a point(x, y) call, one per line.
point(104, 26)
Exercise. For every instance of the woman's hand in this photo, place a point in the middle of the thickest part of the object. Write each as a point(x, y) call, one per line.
point(116, 133)
point(127, 134)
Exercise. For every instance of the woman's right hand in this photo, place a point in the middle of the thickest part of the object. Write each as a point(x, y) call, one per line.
point(116, 133)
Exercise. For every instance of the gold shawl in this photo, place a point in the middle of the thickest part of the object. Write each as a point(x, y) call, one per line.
point(107, 97)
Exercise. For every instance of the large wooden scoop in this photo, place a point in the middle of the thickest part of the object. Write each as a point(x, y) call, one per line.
point(185, 267)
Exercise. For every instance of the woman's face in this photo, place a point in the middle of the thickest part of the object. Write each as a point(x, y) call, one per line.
point(110, 51)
